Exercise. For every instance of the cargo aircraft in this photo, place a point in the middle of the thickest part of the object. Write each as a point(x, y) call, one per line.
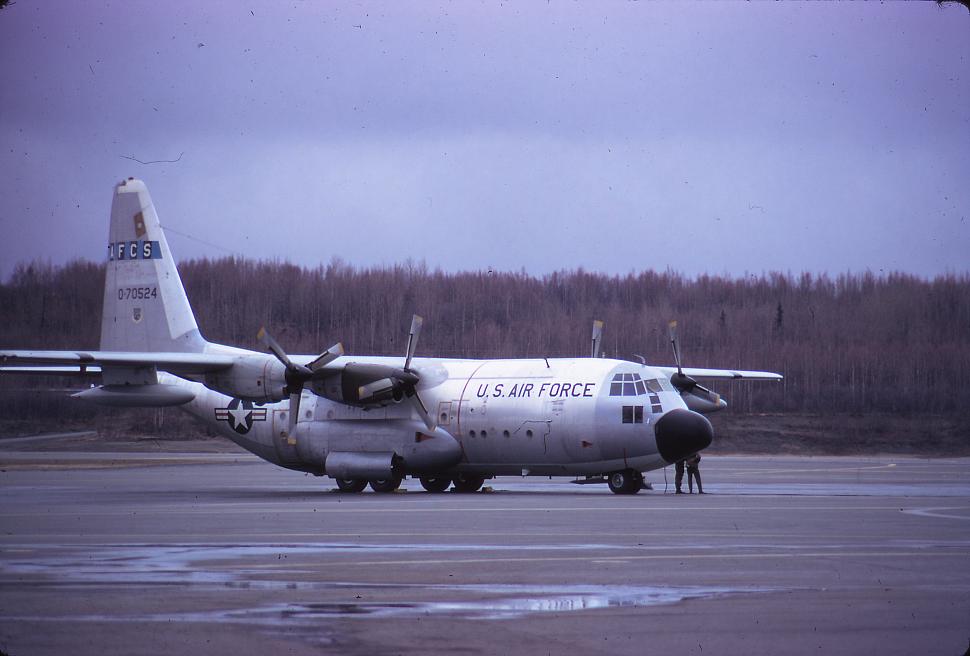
point(374, 420)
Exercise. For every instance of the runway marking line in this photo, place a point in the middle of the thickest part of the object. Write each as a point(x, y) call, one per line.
point(930, 512)
point(801, 471)
point(251, 510)
point(615, 559)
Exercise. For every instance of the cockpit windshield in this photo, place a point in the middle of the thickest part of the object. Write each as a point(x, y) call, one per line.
point(631, 384)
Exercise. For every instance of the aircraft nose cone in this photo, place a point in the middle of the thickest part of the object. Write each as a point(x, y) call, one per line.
point(682, 432)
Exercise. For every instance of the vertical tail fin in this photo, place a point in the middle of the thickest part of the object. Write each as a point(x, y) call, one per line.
point(145, 306)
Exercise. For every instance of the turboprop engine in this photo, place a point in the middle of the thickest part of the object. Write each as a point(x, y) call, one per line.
point(260, 380)
point(354, 383)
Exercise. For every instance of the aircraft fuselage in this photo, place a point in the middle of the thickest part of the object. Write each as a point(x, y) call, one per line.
point(551, 416)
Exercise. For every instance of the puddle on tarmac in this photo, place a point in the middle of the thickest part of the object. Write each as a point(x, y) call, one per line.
point(512, 601)
point(490, 602)
point(200, 563)
point(204, 564)
point(81, 565)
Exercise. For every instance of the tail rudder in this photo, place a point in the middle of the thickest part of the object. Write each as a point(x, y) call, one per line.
point(145, 306)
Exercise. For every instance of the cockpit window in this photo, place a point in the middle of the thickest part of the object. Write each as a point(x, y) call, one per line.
point(627, 384)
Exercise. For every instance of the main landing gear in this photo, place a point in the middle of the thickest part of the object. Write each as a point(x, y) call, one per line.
point(354, 485)
point(625, 481)
point(385, 485)
point(468, 483)
point(435, 483)
point(351, 484)
point(463, 483)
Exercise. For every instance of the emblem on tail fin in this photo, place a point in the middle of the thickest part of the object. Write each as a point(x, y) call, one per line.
point(240, 415)
point(140, 225)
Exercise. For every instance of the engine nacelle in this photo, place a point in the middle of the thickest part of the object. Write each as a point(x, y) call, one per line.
point(703, 401)
point(365, 385)
point(260, 380)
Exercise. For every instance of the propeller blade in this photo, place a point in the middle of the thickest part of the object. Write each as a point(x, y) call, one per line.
point(327, 357)
point(597, 338)
point(374, 388)
point(672, 329)
point(273, 346)
point(422, 411)
point(416, 323)
point(295, 397)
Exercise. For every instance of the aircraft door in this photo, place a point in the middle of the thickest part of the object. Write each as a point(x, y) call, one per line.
point(285, 444)
point(444, 413)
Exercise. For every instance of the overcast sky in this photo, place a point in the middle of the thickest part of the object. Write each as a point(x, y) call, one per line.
point(707, 138)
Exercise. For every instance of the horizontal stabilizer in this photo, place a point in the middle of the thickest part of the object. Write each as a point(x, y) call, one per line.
point(59, 361)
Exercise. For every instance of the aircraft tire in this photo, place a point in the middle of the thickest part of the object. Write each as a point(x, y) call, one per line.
point(625, 481)
point(351, 485)
point(468, 483)
point(384, 485)
point(435, 483)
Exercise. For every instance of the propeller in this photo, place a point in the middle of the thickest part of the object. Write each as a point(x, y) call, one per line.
point(597, 338)
point(672, 330)
point(411, 381)
point(684, 383)
point(297, 375)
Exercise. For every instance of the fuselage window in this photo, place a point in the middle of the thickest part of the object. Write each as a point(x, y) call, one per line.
point(633, 414)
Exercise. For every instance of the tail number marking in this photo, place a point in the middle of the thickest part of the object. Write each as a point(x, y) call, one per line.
point(137, 293)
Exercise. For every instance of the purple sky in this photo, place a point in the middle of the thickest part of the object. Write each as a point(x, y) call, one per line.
point(714, 137)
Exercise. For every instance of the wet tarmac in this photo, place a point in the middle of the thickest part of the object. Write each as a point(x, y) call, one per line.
point(222, 553)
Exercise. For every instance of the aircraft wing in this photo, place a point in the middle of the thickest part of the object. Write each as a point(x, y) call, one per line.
point(723, 374)
point(77, 370)
point(83, 362)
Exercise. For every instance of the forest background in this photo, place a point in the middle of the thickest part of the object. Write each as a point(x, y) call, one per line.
point(872, 362)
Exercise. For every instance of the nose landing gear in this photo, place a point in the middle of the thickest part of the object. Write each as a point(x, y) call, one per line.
point(625, 481)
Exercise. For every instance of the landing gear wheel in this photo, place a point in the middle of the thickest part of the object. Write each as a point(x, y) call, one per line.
point(626, 481)
point(350, 484)
point(468, 482)
point(386, 484)
point(435, 483)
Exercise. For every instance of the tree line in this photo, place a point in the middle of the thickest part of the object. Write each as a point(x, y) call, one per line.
point(851, 343)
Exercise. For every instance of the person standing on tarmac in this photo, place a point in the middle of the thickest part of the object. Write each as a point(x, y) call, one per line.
point(679, 476)
point(694, 471)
